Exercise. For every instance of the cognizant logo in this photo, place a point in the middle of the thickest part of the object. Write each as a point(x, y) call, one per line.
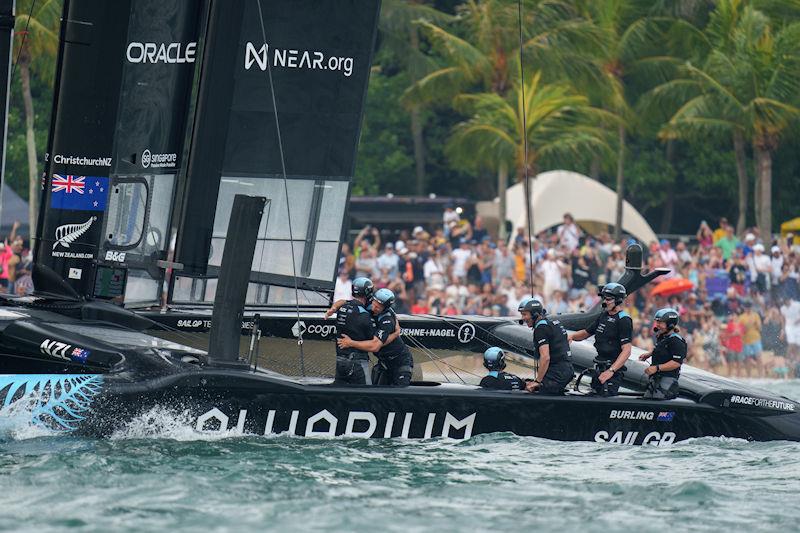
point(289, 58)
point(161, 52)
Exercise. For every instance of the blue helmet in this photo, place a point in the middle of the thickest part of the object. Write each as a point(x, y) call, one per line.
point(668, 316)
point(614, 290)
point(533, 306)
point(494, 359)
point(385, 297)
point(363, 287)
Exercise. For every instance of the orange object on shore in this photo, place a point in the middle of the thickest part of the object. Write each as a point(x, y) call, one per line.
point(672, 286)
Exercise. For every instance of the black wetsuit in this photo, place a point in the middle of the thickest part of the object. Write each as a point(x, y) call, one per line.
point(611, 333)
point(664, 385)
point(502, 381)
point(395, 364)
point(549, 332)
point(352, 365)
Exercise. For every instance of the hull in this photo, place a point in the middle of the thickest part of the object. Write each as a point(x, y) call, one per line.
point(70, 374)
point(256, 403)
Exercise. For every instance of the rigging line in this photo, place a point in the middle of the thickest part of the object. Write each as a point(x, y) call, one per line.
point(24, 36)
point(529, 199)
point(285, 190)
point(528, 195)
point(453, 368)
point(433, 360)
point(436, 360)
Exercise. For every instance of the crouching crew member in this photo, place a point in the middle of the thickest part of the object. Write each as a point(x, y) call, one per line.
point(355, 321)
point(612, 332)
point(667, 357)
point(494, 359)
point(395, 364)
point(550, 338)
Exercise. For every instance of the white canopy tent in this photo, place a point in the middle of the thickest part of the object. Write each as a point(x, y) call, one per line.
point(561, 191)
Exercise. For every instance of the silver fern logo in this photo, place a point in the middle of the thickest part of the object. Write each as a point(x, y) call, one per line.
point(69, 233)
point(55, 402)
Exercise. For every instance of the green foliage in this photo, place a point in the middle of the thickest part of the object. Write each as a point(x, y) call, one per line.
point(385, 157)
point(16, 169)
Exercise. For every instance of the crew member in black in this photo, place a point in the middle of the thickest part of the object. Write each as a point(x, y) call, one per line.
point(354, 320)
point(494, 359)
point(395, 364)
point(550, 338)
point(613, 331)
point(667, 357)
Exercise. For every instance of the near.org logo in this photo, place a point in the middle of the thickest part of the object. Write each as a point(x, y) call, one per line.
point(289, 58)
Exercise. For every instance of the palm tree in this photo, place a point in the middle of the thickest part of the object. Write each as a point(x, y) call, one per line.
point(554, 38)
point(559, 122)
point(634, 37)
point(743, 90)
point(400, 36)
point(36, 50)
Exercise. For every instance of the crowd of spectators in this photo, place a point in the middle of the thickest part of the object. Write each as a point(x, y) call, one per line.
point(15, 264)
point(741, 318)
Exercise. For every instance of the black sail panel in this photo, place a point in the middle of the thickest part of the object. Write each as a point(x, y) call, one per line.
point(119, 123)
point(319, 55)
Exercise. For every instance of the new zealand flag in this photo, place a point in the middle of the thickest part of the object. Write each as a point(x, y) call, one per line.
point(666, 416)
point(79, 193)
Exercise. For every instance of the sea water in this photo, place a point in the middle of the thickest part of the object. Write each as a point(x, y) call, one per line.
point(160, 475)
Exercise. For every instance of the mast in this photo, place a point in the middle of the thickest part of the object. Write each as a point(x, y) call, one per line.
point(6, 49)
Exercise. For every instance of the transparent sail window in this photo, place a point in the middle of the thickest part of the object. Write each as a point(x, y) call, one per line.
point(316, 210)
point(126, 213)
point(191, 290)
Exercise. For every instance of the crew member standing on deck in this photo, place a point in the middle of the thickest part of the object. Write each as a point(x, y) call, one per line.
point(550, 338)
point(612, 332)
point(355, 321)
point(667, 357)
point(395, 364)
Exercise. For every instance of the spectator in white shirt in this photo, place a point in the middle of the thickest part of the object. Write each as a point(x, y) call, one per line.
point(343, 290)
point(552, 271)
point(668, 257)
point(460, 257)
point(683, 254)
point(389, 262)
point(569, 233)
point(776, 263)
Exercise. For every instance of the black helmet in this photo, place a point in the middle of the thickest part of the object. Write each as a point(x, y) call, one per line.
point(385, 297)
point(494, 359)
point(363, 287)
point(667, 315)
point(533, 306)
point(614, 290)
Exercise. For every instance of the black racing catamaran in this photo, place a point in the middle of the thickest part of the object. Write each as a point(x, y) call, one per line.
point(194, 201)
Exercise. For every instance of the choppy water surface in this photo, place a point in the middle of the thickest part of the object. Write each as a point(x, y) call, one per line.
point(180, 481)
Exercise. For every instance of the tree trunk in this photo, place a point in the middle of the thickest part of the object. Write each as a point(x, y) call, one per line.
point(741, 172)
point(502, 185)
point(764, 170)
point(416, 125)
point(757, 192)
point(30, 142)
point(594, 168)
point(669, 205)
point(620, 181)
point(419, 149)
